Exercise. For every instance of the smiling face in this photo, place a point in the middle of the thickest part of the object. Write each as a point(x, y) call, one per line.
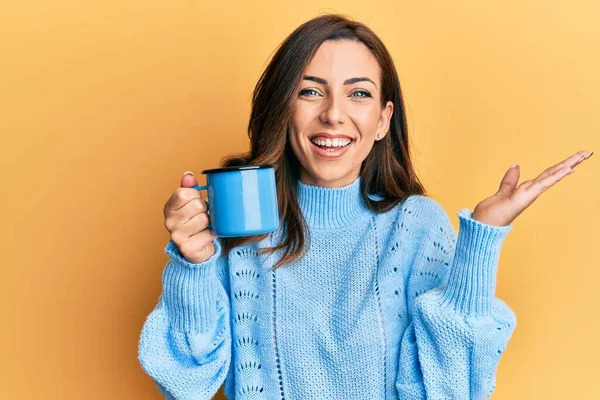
point(338, 114)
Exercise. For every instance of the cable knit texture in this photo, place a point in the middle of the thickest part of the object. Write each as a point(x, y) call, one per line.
point(383, 306)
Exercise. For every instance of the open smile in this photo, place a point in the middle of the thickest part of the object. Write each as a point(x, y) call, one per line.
point(330, 152)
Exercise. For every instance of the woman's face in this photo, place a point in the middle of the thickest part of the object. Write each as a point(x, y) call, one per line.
point(339, 96)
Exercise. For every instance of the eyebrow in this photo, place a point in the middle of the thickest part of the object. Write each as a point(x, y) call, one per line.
point(346, 82)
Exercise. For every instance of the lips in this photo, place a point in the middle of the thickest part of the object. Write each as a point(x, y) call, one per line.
point(325, 135)
point(331, 153)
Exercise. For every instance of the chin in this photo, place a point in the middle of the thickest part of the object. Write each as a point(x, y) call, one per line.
point(330, 178)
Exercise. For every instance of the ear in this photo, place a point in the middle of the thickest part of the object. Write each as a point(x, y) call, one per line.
point(383, 125)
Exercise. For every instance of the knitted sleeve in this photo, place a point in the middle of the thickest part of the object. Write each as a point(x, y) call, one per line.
point(185, 343)
point(458, 329)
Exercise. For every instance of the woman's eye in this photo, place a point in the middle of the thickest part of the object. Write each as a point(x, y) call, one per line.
point(363, 92)
point(306, 91)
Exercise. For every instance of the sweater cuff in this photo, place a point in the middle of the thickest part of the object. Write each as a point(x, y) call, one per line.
point(190, 290)
point(472, 281)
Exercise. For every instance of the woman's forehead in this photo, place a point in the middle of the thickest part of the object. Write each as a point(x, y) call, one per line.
point(336, 61)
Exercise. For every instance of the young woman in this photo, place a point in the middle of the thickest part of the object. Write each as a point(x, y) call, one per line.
point(365, 291)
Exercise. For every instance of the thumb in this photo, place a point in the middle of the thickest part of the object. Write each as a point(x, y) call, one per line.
point(510, 180)
point(188, 179)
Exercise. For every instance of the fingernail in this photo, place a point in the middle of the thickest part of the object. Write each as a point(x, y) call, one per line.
point(188, 173)
point(514, 165)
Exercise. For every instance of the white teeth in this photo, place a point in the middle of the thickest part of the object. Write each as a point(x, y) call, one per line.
point(331, 142)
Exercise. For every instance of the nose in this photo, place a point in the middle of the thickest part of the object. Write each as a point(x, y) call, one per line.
point(333, 112)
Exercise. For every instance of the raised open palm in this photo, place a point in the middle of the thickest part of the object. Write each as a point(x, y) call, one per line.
point(511, 200)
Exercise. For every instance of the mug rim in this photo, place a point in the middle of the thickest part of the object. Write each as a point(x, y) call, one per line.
point(236, 168)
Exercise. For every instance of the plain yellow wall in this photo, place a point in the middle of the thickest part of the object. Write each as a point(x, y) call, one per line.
point(105, 103)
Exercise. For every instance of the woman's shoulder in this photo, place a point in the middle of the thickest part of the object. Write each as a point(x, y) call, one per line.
point(425, 206)
point(415, 203)
point(418, 214)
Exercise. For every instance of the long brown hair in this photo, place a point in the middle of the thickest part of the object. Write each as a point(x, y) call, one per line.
point(387, 171)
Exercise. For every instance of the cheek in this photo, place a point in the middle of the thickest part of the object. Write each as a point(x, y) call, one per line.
point(299, 125)
point(302, 117)
point(368, 121)
point(295, 139)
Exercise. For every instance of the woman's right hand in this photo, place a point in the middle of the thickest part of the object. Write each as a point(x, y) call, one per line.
point(187, 221)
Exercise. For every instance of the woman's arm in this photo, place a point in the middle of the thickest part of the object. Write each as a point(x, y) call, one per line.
point(458, 329)
point(185, 344)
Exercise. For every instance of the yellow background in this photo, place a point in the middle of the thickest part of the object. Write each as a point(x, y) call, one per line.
point(105, 103)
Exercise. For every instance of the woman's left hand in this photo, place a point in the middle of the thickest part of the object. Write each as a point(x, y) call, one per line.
point(511, 200)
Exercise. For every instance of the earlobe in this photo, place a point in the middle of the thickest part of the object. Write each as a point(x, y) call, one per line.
point(382, 135)
point(386, 117)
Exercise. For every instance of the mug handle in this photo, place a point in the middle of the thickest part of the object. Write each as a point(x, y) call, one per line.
point(207, 211)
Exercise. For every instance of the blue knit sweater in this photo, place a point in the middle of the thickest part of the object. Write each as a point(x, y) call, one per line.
point(383, 306)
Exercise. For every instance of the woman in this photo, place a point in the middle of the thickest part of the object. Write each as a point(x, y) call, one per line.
point(365, 291)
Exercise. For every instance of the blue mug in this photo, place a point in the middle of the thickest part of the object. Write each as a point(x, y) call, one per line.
point(242, 200)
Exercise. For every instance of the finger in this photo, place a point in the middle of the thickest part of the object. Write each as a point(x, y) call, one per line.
point(191, 246)
point(183, 214)
point(538, 186)
point(572, 162)
point(184, 193)
point(192, 209)
point(184, 232)
point(180, 198)
point(510, 180)
point(188, 179)
point(195, 225)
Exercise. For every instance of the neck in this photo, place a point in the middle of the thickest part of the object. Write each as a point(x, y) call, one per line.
point(332, 207)
point(346, 180)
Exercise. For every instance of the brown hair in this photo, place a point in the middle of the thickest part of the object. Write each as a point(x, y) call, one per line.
point(387, 171)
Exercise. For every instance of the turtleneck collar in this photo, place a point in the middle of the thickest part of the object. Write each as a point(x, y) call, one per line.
point(328, 208)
